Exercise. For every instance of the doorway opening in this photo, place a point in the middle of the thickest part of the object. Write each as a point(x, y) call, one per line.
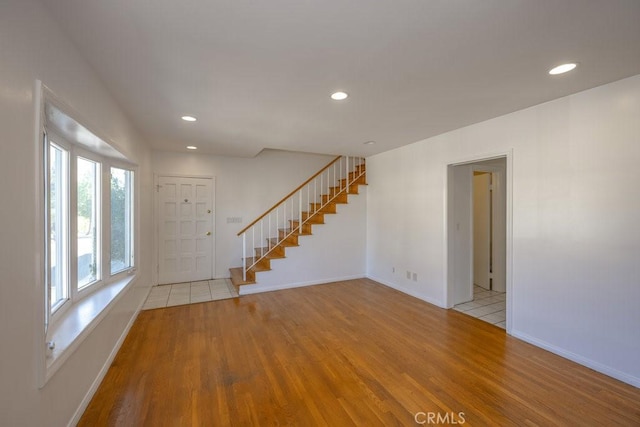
point(477, 239)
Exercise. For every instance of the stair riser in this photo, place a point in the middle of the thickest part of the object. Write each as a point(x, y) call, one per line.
point(275, 252)
point(340, 198)
point(317, 218)
point(283, 244)
point(360, 181)
point(291, 240)
point(263, 264)
point(328, 209)
point(306, 227)
point(353, 189)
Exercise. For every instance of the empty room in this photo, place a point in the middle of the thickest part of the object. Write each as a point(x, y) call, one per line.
point(418, 212)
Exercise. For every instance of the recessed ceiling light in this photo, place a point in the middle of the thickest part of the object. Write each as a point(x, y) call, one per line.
point(189, 118)
point(191, 147)
point(369, 143)
point(339, 96)
point(562, 68)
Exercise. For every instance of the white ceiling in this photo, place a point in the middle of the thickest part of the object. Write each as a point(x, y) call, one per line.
point(258, 74)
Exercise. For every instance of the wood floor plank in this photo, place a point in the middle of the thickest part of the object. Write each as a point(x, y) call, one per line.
point(346, 353)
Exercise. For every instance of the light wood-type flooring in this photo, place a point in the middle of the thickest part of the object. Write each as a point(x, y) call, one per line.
point(347, 353)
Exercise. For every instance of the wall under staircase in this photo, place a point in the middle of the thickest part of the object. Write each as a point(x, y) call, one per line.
point(335, 251)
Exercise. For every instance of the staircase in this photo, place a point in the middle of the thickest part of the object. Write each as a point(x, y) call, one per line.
point(268, 236)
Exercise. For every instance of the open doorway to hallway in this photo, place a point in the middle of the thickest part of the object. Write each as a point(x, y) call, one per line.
point(489, 306)
point(477, 229)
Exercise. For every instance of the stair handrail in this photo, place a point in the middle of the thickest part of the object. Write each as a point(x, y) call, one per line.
point(349, 178)
point(267, 212)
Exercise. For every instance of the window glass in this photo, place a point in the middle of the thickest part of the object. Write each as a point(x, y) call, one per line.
point(121, 219)
point(88, 221)
point(58, 220)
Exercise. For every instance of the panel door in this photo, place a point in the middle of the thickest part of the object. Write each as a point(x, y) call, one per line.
point(185, 229)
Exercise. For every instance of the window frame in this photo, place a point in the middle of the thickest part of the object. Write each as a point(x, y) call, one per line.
point(62, 303)
point(103, 184)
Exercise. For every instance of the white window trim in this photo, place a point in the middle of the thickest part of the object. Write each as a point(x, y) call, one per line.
point(83, 311)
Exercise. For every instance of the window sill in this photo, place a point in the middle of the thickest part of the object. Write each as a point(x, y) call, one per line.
point(79, 320)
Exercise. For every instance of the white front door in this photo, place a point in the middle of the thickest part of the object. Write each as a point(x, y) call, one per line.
point(185, 229)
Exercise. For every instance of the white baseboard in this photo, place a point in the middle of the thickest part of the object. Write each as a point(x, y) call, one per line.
point(105, 367)
point(256, 289)
point(407, 291)
point(596, 366)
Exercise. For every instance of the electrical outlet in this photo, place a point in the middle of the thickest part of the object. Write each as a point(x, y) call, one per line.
point(415, 277)
point(408, 275)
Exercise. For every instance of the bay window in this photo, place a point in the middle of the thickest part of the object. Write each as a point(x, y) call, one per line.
point(87, 226)
point(78, 195)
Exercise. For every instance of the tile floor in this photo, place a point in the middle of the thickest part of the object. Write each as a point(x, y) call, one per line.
point(189, 293)
point(490, 306)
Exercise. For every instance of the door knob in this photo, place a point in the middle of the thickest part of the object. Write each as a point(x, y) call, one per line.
point(208, 233)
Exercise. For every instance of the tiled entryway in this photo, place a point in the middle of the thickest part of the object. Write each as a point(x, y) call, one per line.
point(489, 306)
point(189, 293)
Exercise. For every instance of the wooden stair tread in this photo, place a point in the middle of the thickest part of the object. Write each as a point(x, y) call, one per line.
point(294, 232)
point(271, 253)
point(329, 208)
point(313, 217)
point(236, 278)
point(274, 241)
point(261, 265)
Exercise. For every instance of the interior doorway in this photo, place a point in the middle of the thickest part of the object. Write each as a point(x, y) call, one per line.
point(477, 239)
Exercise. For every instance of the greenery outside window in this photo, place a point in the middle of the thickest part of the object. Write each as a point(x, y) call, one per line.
point(88, 221)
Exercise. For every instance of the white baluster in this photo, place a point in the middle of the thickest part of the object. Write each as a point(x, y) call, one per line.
point(244, 257)
point(347, 174)
point(300, 212)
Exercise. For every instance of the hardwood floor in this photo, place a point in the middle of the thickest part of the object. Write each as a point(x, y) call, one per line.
point(346, 353)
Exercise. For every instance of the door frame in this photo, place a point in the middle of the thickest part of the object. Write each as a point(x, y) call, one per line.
point(450, 228)
point(155, 273)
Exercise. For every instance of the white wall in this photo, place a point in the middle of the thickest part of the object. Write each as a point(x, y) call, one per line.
point(33, 47)
point(245, 187)
point(576, 206)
